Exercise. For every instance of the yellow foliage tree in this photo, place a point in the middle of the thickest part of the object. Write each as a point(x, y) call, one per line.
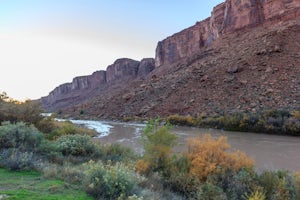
point(208, 155)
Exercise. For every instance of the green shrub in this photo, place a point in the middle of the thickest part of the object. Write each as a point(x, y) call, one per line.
point(61, 128)
point(208, 191)
point(49, 151)
point(181, 120)
point(20, 136)
point(257, 195)
point(180, 181)
point(15, 111)
point(292, 126)
point(297, 178)
point(46, 125)
point(214, 122)
point(16, 160)
point(73, 174)
point(278, 185)
point(270, 121)
point(232, 122)
point(117, 153)
point(158, 144)
point(276, 113)
point(135, 197)
point(183, 184)
point(109, 182)
point(234, 184)
point(250, 122)
point(76, 145)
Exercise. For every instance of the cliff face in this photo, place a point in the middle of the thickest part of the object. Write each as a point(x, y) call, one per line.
point(146, 66)
point(122, 69)
point(85, 87)
point(245, 57)
point(230, 16)
point(245, 71)
point(79, 83)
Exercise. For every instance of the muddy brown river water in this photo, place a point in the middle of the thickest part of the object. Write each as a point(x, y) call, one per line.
point(269, 151)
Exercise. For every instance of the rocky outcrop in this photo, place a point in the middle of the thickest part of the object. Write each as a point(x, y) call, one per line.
point(84, 87)
point(89, 82)
point(230, 16)
point(146, 66)
point(122, 69)
point(80, 83)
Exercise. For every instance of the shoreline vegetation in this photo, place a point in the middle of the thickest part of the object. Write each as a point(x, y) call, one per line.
point(276, 122)
point(61, 157)
point(279, 122)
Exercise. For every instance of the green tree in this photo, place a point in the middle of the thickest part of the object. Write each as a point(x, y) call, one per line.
point(158, 143)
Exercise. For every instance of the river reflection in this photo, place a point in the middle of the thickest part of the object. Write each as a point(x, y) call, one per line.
point(269, 151)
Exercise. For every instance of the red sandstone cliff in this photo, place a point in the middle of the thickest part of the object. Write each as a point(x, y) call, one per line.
point(86, 87)
point(230, 16)
point(245, 57)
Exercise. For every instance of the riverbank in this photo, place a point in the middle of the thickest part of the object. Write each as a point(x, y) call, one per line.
point(279, 122)
point(274, 122)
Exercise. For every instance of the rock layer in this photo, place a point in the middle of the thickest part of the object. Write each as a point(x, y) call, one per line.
point(230, 16)
point(122, 69)
point(85, 87)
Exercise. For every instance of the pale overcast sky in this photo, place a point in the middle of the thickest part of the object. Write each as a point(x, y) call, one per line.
point(44, 43)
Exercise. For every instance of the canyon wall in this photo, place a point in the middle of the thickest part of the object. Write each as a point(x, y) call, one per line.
point(230, 16)
point(122, 70)
point(214, 66)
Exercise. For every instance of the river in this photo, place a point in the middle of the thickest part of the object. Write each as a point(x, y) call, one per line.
point(272, 152)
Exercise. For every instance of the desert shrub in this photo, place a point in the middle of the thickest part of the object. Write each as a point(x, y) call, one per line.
point(297, 177)
point(184, 184)
point(20, 136)
point(278, 185)
point(181, 120)
point(208, 156)
point(296, 114)
point(276, 113)
point(250, 122)
point(232, 122)
point(269, 121)
point(15, 111)
point(180, 181)
point(109, 182)
point(29, 112)
point(46, 125)
point(208, 191)
point(14, 159)
point(235, 184)
point(292, 126)
point(214, 122)
point(73, 174)
point(61, 128)
point(256, 195)
point(143, 167)
point(158, 143)
point(117, 153)
point(76, 145)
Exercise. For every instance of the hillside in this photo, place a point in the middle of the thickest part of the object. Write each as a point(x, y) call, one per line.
point(245, 57)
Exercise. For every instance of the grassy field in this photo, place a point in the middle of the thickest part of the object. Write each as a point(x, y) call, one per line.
point(32, 185)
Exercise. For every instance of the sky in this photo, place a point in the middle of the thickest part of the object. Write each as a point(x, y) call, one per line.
point(45, 43)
